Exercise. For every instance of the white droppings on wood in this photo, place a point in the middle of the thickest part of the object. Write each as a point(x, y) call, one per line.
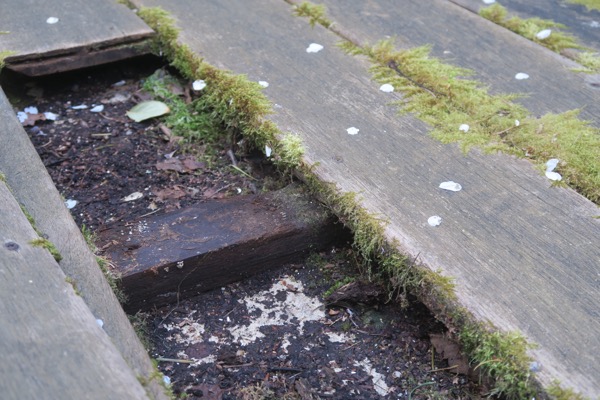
point(521, 76)
point(314, 48)
point(451, 185)
point(352, 130)
point(434, 220)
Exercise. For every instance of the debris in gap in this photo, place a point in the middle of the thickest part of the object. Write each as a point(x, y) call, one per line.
point(50, 116)
point(268, 151)
point(79, 107)
point(173, 193)
point(133, 196)
point(148, 109)
point(352, 130)
point(314, 48)
point(521, 76)
point(451, 185)
point(184, 165)
point(544, 34)
point(264, 84)
point(464, 128)
point(97, 109)
point(70, 203)
point(198, 85)
point(551, 164)
point(450, 350)
point(434, 220)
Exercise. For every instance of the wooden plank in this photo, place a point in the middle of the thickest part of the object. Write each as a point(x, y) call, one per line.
point(522, 252)
point(87, 33)
point(33, 188)
point(583, 23)
point(172, 256)
point(51, 345)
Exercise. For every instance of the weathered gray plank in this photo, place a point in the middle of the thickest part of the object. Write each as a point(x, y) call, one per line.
point(584, 24)
point(165, 258)
point(462, 38)
point(33, 188)
point(87, 33)
point(51, 346)
point(524, 254)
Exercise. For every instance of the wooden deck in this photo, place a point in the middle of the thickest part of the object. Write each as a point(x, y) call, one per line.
point(525, 255)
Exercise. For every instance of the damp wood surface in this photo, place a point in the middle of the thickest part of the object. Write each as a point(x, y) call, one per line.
point(580, 22)
point(51, 345)
point(86, 34)
point(165, 258)
point(524, 254)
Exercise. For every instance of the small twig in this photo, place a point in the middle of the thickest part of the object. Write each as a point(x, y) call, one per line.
point(101, 134)
point(150, 213)
point(232, 157)
point(162, 359)
point(241, 171)
point(238, 365)
point(444, 369)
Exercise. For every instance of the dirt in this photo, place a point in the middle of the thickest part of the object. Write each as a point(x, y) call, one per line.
point(284, 334)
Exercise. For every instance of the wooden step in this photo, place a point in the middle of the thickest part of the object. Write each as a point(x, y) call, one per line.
point(164, 258)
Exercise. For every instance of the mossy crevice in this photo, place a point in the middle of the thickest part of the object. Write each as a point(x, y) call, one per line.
point(48, 245)
point(589, 4)
point(558, 41)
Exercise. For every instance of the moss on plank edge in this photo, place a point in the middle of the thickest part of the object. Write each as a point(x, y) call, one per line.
point(589, 4)
point(557, 41)
point(48, 245)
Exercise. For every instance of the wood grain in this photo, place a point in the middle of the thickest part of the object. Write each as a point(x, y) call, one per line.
point(51, 345)
point(524, 254)
point(87, 33)
point(32, 187)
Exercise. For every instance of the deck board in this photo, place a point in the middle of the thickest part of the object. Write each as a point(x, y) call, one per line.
point(522, 252)
point(87, 33)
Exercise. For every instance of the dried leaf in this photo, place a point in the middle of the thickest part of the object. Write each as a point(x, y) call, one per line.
point(147, 110)
point(173, 193)
point(450, 350)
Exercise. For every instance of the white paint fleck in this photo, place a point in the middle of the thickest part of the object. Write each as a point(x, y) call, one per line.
point(553, 176)
point(80, 107)
point(22, 116)
point(352, 130)
point(296, 309)
point(133, 196)
point(544, 34)
point(434, 220)
point(52, 20)
point(521, 76)
point(387, 88)
point(264, 84)
point(50, 116)
point(378, 379)
point(100, 322)
point(31, 110)
point(451, 185)
point(268, 151)
point(198, 85)
point(97, 109)
point(314, 48)
point(70, 203)
point(464, 127)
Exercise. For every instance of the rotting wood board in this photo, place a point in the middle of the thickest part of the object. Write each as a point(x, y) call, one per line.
point(583, 24)
point(33, 188)
point(165, 258)
point(524, 254)
point(52, 347)
point(87, 33)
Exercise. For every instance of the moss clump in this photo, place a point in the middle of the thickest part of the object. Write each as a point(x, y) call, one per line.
point(337, 285)
point(48, 245)
point(589, 4)
point(232, 101)
point(557, 41)
point(317, 14)
point(72, 282)
point(440, 95)
point(558, 393)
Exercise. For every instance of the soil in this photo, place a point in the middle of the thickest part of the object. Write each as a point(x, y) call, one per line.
point(284, 334)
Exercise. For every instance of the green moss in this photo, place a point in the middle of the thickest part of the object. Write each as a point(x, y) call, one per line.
point(317, 14)
point(590, 62)
point(440, 95)
point(589, 4)
point(233, 101)
point(337, 285)
point(72, 282)
point(3, 178)
point(559, 393)
point(48, 245)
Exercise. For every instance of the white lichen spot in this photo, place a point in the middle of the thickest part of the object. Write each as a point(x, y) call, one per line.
point(434, 220)
point(268, 151)
point(464, 128)
point(97, 109)
point(198, 85)
point(335, 337)
point(352, 130)
point(378, 379)
point(521, 76)
point(544, 34)
point(52, 20)
point(70, 203)
point(264, 84)
point(387, 88)
point(451, 185)
point(206, 360)
point(314, 48)
point(186, 331)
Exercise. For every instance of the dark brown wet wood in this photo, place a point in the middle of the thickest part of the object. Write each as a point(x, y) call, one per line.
point(580, 22)
point(524, 254)
point(164, 258)
point(86, 34)
point(51, 345)
point(33, 188)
